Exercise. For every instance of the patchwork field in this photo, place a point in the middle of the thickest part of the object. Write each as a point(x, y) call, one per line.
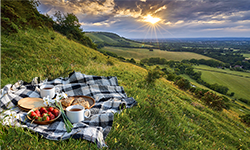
point(247, 56)
point(138, 54)
point(237, 82)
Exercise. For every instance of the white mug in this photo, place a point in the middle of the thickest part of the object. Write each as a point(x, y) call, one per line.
point(46, 90)
point(76, 113)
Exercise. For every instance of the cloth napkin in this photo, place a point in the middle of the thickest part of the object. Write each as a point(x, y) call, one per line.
point(109, 96)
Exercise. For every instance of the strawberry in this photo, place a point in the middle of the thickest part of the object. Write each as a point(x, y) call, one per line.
point(44, 114)
point(50, 109)
point(46, 118)
point(55, 112)
point(39, 119)
point(43, 110)
point(33, 115)
point(51, 116)
point(38, 113)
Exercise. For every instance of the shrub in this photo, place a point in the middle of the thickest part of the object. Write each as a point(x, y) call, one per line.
point(171, 77)
point(244, 100)
point(132, 61)
point(245, 119)
point(215, 101)
point(183, 84)
point(192, 89)
point(154, 74)
point(110, 63)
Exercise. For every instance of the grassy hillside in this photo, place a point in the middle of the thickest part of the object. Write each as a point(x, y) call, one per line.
point(113, 39)
point(139, 54)
point(165, 118)
point(237, 82)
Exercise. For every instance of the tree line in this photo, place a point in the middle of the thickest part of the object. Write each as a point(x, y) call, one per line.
point(184, 67)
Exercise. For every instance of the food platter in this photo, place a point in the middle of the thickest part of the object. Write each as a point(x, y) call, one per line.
point(43, 122)
point(90, 100)
point(29, 103)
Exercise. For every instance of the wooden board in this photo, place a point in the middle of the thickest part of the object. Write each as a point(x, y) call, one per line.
point(29, 103)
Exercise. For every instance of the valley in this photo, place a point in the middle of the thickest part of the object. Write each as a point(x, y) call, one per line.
point(170, 112)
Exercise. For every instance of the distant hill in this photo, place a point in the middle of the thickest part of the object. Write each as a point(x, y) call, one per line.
point(112, 39)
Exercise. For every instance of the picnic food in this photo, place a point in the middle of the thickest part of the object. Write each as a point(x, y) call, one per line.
point(43, 115)
point(66, 102)
point(81, 101)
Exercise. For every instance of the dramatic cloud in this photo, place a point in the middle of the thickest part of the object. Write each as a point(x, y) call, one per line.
point(181, 18)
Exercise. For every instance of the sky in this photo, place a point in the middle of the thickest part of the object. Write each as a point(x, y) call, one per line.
point(158, 18)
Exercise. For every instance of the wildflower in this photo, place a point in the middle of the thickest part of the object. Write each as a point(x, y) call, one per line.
point(61, 96)
point(47, 101)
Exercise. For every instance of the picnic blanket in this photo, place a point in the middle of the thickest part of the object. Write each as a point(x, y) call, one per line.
point(109, 97)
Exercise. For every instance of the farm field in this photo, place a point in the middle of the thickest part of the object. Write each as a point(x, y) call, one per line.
point(237, 82)
point(247, 56)
point(139, 54)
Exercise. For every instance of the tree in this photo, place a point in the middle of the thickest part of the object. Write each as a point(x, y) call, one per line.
point(69, 25)
point(132, 61)
point(151, 49)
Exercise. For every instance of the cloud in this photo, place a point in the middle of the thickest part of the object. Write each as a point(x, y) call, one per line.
point(189, 15)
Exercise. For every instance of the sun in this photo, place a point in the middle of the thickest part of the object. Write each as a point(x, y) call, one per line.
point(151, 19)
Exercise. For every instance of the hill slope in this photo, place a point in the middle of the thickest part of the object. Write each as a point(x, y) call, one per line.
point(165, 117)
point(108, 38)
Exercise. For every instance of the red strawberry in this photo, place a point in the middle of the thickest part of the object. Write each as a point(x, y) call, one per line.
point(43, 110)
point(39, 119)
point(51, 116)
point(56, 112)
point(44, 114)
point(46, 118)
point(50, 109)
point(37, 111)
point(33, 115)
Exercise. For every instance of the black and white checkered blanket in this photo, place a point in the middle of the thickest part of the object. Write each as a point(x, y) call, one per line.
point(108, 95)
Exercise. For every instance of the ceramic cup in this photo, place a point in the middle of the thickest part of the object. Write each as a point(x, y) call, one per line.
point(76, 113)
point(46, 90)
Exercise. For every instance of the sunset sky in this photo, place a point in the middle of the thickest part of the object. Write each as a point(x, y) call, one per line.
point(158, 18)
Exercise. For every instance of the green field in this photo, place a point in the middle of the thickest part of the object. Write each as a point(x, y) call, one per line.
point(237, 82)
point(247, 56)
point(139, 53)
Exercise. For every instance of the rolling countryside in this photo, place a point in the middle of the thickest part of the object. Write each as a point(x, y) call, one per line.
point(167, 114)
point(139, 53)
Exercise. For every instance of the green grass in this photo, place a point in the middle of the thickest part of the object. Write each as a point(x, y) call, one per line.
point(96, 37)
point(116, 39)
point(247, 56)
point(138, 54)
point(165, 118)
point(237, 82)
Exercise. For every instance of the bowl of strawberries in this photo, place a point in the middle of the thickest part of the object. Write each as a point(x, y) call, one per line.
point(44, 115)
